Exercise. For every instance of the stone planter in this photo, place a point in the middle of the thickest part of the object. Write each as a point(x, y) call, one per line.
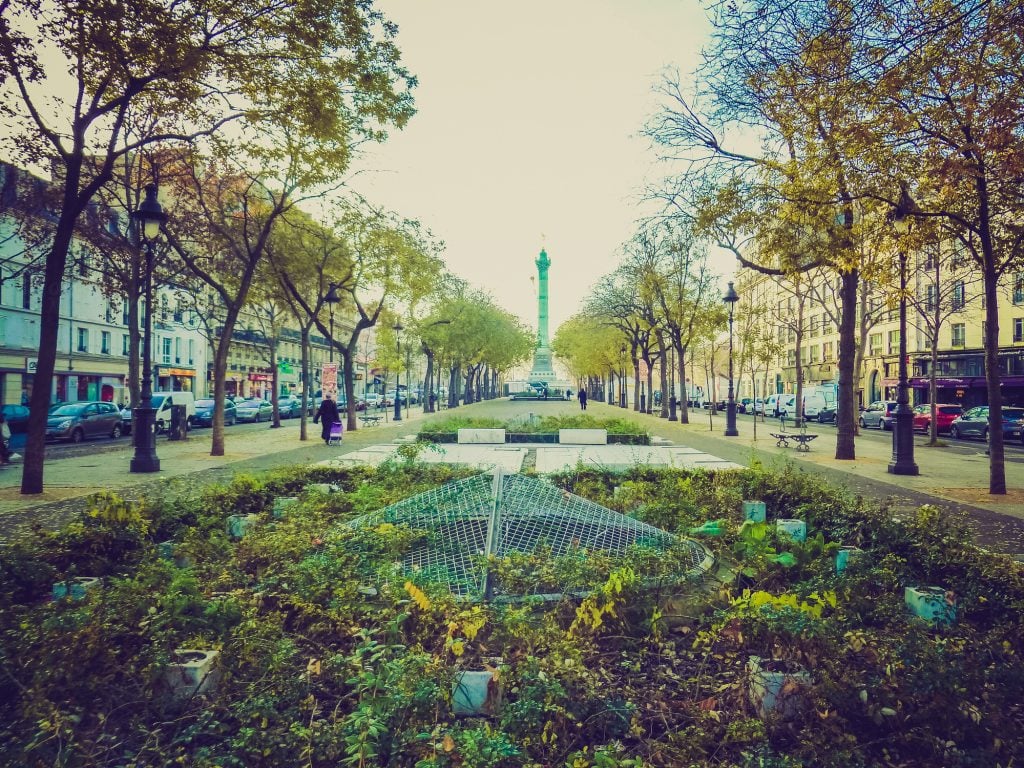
point(794, 530)
point(776, 687)
point(281, 505)
point(320, 488)
point(935, 605)
point(438, 437)
point(629, 439)
point(847, 556)
point(754, 511)
point(75, 588)
point(477, 692)
point(168, 550)
point(192, 672)
point(238, 525)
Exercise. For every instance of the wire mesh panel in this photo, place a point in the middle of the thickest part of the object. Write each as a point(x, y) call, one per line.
point(524, 515)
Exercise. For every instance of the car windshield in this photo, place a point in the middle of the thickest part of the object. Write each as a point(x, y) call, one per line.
point(72, 409)
point(1013, 413)
point(158, 400)
point(950, 409)
point(204, 403)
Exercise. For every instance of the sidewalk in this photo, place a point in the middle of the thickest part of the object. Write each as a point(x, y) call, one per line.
point(70, 480)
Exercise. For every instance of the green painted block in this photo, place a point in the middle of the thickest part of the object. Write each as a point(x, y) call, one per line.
point(239, 525)
point(936, 605)
point(75, 588)
point(281, 505)
point(710, 528)
point(795, 530)
point(754, 511)
point(847, 556)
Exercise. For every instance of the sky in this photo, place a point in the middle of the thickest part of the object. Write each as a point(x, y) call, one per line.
point(527, 134)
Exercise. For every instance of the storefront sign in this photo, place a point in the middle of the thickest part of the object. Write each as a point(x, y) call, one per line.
point(30, 364)
point(260, 377)
point(179, 372)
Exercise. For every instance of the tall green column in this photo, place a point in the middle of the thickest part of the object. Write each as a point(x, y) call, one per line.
point(542, 369)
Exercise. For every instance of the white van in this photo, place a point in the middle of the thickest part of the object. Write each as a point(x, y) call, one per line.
point(163, 410)
point(771, 405)
point(820, 403)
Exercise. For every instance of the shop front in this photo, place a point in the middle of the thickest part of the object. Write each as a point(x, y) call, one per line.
point(261, 385)
point(176, 379)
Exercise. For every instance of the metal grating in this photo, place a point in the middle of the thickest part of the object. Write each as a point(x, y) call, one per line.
point(500, 514)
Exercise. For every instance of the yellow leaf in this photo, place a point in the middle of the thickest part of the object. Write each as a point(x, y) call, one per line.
point(458, 647)
point(418, 596)
point(447, 743)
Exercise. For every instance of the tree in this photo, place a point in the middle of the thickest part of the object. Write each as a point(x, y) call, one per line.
point(71, 73)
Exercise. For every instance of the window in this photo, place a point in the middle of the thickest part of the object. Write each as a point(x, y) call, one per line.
point(958, 295)
point(929, 298)
point(191, 351)
point(812, 356)
point(894, 342)
point(875, 344)
point(177, 350)
point(165, 308)
point(165, 344)
point(1018, 329)
point(782, 335)
point(124, 313)
point(791, 358)
point(105, 342)
point(179, 311)
point(125, 341)
point(959, 334)
point(826, 351)
point(813, 328)
point(26, 291)
point(928, 263)
point(1018, 288)
point(791, 335)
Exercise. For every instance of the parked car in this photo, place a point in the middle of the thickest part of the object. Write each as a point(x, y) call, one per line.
point(878, 414)
point(253, 409)
point(373, 399)
point(746, 405)
point(16, 417)
point(76, 422)
point(974, 423)
point(162, 403)
point(289, 406)
point(204, 412)
point(787, 406)
point(758, 407)
point(944, 416)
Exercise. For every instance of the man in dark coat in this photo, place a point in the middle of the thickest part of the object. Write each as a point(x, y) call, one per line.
point(582, 395)
point(326, 414)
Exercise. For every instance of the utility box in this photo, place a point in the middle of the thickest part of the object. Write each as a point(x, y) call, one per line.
point(179, 423)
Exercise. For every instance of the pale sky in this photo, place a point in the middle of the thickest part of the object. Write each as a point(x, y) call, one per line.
point(527, 133)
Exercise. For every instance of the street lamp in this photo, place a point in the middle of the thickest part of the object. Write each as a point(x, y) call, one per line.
point(622, 376)
point(730, 298)
point(903, 418)
point(398, 371)
point(149, 217)
point(331, 299)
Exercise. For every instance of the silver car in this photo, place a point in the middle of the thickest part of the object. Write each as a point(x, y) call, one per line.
point(878, 415)
point(78, 421)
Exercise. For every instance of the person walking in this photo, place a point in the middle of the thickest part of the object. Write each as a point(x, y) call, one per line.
point(582, 395)
point(326, 414)
point(5, 440)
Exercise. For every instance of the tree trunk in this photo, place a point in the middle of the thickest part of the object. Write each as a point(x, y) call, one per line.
point(428, 381)
point(132, 305)
point(468, 387)
point(996, 466)
point(684, 414)
point(220, 369)
point(611, 387)
point(665, 394)
point(348, 366)
point(453, 387)
point(845, 447)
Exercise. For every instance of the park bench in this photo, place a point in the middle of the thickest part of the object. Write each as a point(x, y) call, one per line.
point(801, 438)
point(370, 420)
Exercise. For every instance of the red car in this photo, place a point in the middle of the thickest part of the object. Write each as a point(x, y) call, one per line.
point(943, 413)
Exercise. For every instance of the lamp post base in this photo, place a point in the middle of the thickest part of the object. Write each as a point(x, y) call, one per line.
point(903, 442)
point(730, 420)
point(145, 458)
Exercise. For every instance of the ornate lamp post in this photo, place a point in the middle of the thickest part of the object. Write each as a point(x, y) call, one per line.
point(622, 376)
point(903, 417)
point(331, 299)
point(730, 298)
point(149, 217)
point(398, 371)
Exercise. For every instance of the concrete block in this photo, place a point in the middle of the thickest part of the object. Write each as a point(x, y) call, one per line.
point(477, 692)
point(754, 511)
point(796, 530)
point(583, 436)
point(282, 503)
point(320, 488)
point(192, 672)
point(75, 588)
point(847, 556)
point(776, 687)
point(238, 525)
point(936, 605)
point(481, 436)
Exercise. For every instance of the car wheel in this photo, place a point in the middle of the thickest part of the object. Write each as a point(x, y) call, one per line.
point(77, 435)
point(258, 418)
point(954, 432)
point(116, 433)
point(189, 423)
point(158, 427)
point(884, 425)
point(862, 424)
point(984, 435)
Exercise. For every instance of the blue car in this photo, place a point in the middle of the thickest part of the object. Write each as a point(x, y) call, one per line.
point(204, 413)
point(974, 423)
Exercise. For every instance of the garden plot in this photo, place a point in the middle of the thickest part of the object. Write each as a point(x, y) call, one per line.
point(509, 458)
point(620, 457)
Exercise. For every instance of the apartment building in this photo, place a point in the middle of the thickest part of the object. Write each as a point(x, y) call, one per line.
point(805, 317)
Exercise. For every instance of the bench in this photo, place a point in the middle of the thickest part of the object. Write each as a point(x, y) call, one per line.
point(369, 420)
point(802, 439)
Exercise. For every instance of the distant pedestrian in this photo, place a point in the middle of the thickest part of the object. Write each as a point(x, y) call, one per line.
point(326, 414)
point(582, 395)
point(544, 393)
point(5, 440)
point(568, 393)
